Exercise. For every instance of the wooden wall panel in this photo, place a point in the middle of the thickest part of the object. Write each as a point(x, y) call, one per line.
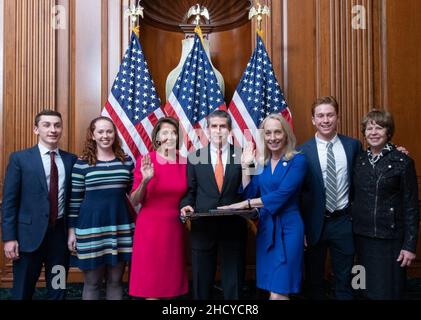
point(162, 50)
point(114, 40)
point(2, 258)
point(1, 91)
point(379, 54)
point(315, 51)
point(63, 59)
point(30, 66)
point(403, 73)
point(86, 68)
point(301, 72)
point(345, 60)
point(230, 52)
point(403, 81)
point(29, 69)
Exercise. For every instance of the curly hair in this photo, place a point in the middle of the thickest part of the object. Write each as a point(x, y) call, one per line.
point(89, 150)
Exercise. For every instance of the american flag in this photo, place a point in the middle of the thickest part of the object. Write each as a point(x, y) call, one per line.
point(257, 95)
point(195, 94)
point(133, 103)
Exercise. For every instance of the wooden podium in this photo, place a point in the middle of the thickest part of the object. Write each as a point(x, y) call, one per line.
point(245, 213)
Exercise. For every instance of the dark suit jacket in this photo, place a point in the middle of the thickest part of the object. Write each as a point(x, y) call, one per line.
point(202, 194)
point(313, 201)
point(26, 206)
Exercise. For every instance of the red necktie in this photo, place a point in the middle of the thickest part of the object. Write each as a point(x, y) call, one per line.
point(53, 193)
point(219, 171)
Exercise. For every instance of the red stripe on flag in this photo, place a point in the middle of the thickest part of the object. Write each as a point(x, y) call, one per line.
point(237, 116)
point(287, 115)
point(153, 118)
point(203, 138)
point(144, 135)
point(170, 112)
point(241, 123)
point(123, 130)
point(223, 107)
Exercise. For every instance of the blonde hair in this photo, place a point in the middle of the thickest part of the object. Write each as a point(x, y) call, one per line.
point(291, 141)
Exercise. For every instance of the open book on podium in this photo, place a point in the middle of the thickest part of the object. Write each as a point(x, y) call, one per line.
point(252, 213)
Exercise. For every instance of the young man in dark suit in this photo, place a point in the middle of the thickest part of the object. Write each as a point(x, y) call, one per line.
point(325, 201)
point(214, 178)
point(36, 190)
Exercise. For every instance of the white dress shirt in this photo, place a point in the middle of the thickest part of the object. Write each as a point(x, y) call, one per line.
point(341, 168)
point(46, 162)
point(214, 155)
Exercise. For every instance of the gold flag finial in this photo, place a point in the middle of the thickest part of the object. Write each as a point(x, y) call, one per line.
point(259, 11)
point(136, 30)
point(134, 12)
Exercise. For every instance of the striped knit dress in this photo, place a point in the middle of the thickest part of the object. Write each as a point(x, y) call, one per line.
point(100, 214)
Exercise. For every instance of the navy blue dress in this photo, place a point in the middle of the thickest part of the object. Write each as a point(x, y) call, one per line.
point(100, 214)
point(280, 231)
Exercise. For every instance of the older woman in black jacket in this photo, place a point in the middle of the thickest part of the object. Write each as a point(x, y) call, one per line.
point(384, 209)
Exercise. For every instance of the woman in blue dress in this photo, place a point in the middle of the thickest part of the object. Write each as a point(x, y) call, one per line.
point(280, 231)
point(100, 225)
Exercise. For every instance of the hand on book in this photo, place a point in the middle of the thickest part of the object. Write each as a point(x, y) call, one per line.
point(184, 213)
point(236, 206)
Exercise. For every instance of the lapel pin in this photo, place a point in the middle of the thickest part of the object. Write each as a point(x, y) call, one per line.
point(284, 163)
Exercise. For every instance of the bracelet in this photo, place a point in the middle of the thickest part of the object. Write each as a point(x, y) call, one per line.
point(248, 201)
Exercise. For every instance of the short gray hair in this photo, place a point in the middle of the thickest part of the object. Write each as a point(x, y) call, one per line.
point(220, 114)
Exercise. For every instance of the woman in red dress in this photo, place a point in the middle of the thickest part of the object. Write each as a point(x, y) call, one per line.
point(158, 268)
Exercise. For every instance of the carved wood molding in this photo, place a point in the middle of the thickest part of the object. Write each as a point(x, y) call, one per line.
point(168, 15)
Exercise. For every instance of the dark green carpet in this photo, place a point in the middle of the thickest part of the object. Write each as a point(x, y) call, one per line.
point(74, 292)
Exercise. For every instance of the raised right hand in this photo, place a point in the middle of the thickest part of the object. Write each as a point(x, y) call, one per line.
point(11, 249)
point(248, 155)
point(146, 168)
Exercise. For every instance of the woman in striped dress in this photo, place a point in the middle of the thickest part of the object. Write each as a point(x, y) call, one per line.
point(100, 225)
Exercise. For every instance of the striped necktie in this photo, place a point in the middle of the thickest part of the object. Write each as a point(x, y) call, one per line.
point(330, 181)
